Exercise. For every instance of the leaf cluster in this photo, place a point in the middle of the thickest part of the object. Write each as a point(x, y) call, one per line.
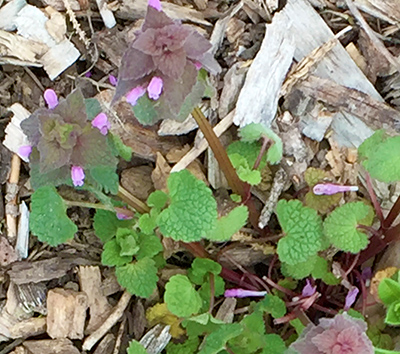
point(62, 137)
point(133, 253)
point(389, 293)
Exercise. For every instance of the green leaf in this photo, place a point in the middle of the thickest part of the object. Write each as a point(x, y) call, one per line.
point(274, 344)
point(149, 246)
point(297, 325)
point(273, 305)
point(188, 347)
point(118, 147)
point(157, 199)
point(201, 267)
point(252, 337)
point(249, 151)
point(111, 255)
point(201, 325)
point(181, 297)
point(215, 342)
point(148, 221)
point(255, 131)
point(321, 271)
point(385, 351)
point(303, 229)
point(299, 270)
point(205, 290)
point(139, 278)
point(229, 224)
point(144, 111)
point(106, 224)
point(128, 240)
point(389, 291)
point(136, 348)
point(244, 171)
point(379, 156)
point(192, 213)
point(341, 227)
point(105, 177)
point(93, 108)
point(393, 314)
point(48, 219)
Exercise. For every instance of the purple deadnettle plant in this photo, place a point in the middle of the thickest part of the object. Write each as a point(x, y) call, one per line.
point(65, 145)
point(159, 73)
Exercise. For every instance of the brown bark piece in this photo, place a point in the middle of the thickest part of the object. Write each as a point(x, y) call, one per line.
point(48, 269)
point(375, 114)
point(137, 180)
point(51, 346)
point(29, 328)
point(66, 313)
point(99, 308)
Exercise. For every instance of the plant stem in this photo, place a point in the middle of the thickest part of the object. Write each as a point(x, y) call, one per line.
point(71, 203)
point(374, 199)
point(219, 152)
point(393, 213)
point(264, 147)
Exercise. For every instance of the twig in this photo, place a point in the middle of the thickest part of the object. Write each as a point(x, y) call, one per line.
point(132, 201)
point(75, 24)
point(380, 47)
point(374, 199)
point(11, 197)
point(118, 341)
point(115, 315)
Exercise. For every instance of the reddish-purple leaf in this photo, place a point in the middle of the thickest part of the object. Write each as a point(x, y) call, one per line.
point(155, 19)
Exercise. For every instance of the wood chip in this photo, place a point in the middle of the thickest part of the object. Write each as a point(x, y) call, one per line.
point(137, 180)
point(266, 75)
point(31, 327)
point(48, 346)
point(99, 308)
point(66, 313)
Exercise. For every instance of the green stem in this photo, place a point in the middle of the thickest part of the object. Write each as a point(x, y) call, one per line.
point(238, 186)
point(72, 203)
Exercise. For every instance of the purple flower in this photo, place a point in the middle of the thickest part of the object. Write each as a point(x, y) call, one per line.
point(156, 4)
point(351, 297)
point(342, 334)
point(243, 293)
point(88, 74)
point(331, 188)
point(308, 289)
point(135, 94)
point(77, 175)
point(51, 98)
point(101, 123)
point(155, 87)
point(122, 216)
point(113, 80)
point(198, 65)
point(366, 273)
point(24, 151)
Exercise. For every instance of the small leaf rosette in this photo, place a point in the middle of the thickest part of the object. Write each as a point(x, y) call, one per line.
point(66, 148)
point(159, 73)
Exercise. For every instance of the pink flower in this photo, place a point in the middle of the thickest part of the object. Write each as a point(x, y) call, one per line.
point(342, 334)
point(155, 4)
point(331, 188)
point(101, 123)
point(77, 175)
point(135, 94)
point(51, 98)
point(24, 151)
point(113, 80)
point(308, 289)
point(243, 293)
point(351, 298)
point(155, 87)
point(198, 65)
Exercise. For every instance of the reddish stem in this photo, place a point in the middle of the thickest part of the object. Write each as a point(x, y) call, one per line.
point(353, 264)
point(393, 213)
point(374, 199)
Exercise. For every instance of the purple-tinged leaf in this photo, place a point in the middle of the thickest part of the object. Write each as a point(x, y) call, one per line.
point(155, 19)
point(102, 123)
point(135, 65)
point(171, 64)
point(196, 45)
point(135, 94)
point(155, 87)
point(73, 109)
point(78, 176)
point(210, 64)
point(156, 4)
point(51, 98)
point(175, 91)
